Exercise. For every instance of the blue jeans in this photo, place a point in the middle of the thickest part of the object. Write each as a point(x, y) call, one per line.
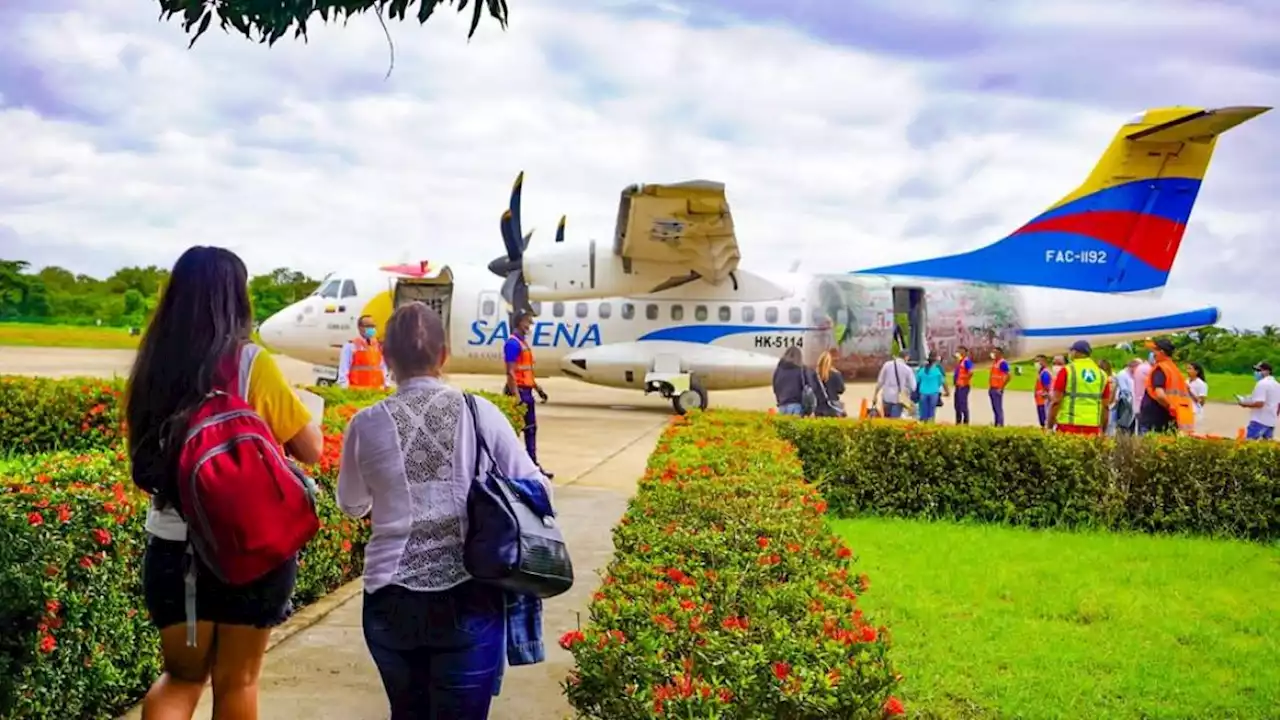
point(439, 653)
point(962, 405)
point(530, 423)
point(997, 406)
point(1042, 414)
point(1258, 431)
point(791, 409)
point(929, 407)
point(893, 410)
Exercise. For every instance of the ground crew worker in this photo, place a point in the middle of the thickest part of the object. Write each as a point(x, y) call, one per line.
point(999, 379)
point(1044, 388)
point(361, 365)
point(1264, 403)
point(1081, 395)
point(962, 378)
point(522, 383)
point(1166, 402)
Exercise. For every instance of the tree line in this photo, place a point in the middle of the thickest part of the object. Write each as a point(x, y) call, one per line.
point(55, 295)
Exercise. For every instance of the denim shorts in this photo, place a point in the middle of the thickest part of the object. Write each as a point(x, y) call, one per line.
point(263, 603)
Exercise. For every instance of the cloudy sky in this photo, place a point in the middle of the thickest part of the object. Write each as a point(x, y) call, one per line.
point(849, 132)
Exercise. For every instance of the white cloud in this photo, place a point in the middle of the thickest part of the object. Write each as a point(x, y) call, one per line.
point(303, 155)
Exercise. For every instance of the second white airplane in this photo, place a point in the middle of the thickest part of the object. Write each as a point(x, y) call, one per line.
point(664, 307)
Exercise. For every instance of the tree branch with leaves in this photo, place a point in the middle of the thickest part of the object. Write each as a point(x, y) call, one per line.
point(269, 20)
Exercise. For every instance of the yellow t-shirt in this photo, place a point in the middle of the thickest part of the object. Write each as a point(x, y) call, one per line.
point(273, 398)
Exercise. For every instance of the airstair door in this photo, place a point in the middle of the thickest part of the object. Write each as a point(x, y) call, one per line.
point(909, 323)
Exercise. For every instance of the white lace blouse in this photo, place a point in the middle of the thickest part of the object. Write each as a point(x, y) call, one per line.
point(409, 460)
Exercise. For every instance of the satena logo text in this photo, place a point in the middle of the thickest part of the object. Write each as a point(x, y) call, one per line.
point(542, 334)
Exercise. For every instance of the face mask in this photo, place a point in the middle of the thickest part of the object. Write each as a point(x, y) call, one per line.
point(369, 332)
point(993, 356)
point(1151, 357)
point(1257, 374)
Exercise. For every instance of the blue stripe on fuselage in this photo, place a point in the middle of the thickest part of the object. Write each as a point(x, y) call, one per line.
point(1189, 319)
point(707, 334)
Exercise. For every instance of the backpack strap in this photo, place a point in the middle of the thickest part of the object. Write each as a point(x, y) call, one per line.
point(482, 448)
point(248, 354)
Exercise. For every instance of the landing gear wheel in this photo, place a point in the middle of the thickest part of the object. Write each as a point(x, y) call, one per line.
point(324, 382)
point(695, 398)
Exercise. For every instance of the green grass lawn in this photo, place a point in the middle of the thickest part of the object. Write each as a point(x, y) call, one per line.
point(68, 336)
point(998, 622)
point(1223, 387)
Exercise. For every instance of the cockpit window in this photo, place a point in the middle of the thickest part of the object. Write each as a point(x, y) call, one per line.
point(330, 290)
point(322, 284)
point(348, 288)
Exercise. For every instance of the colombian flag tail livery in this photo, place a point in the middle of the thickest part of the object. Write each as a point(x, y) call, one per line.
point(1119, 232)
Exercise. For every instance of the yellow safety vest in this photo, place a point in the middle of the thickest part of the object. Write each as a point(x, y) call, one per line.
point(1082, 402)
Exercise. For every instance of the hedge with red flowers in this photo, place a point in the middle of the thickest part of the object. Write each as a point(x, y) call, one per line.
point(727, 595)
point(74, 638)
point(43, 414)
point(1022, 476)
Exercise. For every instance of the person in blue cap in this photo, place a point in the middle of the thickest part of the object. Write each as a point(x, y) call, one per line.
point(1081, 394)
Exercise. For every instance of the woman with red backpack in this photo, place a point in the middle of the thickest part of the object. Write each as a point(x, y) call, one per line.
point(199, 394)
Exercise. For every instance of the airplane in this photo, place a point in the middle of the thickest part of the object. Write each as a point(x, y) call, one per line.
point(666, 308)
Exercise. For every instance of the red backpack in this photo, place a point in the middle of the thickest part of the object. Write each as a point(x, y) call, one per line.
point(247, 507)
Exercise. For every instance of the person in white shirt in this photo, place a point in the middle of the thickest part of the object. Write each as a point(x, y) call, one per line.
point(1199, 391)
point(1265, 403)
point(437, 636)
point(894, 385)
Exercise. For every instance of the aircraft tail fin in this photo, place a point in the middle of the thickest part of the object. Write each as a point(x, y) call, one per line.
point(1121, 229)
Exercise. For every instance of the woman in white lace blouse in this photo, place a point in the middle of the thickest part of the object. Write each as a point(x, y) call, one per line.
point(436, 635)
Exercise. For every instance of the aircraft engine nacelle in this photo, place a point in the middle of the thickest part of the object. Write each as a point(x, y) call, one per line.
point(591, 271)
point(624, 365)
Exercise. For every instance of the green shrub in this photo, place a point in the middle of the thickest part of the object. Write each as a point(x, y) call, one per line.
point(346, 397)
point(727, 596)
point(42, 414)
point(74, 637)
point(1022, 476)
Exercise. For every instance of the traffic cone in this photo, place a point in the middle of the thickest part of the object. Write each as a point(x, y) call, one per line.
point(1240, 434)
point(773, 411)
point(862, 411)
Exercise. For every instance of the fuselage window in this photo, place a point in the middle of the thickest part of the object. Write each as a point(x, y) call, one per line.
point(748, 314)
point(558, 309)
point(537, 307)
point(771, 315)
point(651, 312)
point(700, 313)
point(580, 310)
point(487, 308)
point(605, 310)
point(677, 312)
point(726, 313)
point(795, 316)
point(628, 311)
point(348, 288)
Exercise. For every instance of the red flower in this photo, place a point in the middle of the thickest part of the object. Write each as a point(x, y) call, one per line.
point(102, 537)
point(781, 670)
point(665, 622)
point(893, 706)
point(52, 607)
point(762, 541)
point(47, 644)
point(86, 562)
point(868, 634)
point(35, 519)
point(844, 552)
point(571, 638)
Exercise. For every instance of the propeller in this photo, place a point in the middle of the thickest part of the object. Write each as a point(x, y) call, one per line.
point(510, 267)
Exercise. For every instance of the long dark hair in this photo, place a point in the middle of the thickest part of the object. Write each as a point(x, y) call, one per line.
point(203, 316)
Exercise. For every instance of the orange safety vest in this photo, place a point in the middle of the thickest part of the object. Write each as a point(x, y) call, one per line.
point(999, 378)
point(1177, 393)
point(524, 365)
point(1042, 390)
point(963, 376)
point(366, 366)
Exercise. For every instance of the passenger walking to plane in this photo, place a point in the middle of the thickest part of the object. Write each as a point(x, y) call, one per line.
point(895, 385)
point(437, 636)
point(830, 387)
point(1044, 388)
point(1081, 394)
point(999, 379)
point(931, 383)
point(1124, 410)
point(197, 342)
point(1265, 403)
point(521, 381)
point(962, 379)
point(790, 378)
point(1199, 390)
point(361, 365)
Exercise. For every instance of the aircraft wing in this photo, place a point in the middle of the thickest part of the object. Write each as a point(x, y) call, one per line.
point(687, 226)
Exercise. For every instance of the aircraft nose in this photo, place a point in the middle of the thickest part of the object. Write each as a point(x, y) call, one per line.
point(272, 331)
